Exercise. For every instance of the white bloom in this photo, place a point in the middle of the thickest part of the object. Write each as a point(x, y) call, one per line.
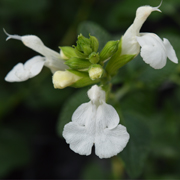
point(51, 59)
point(96, 123)
point(129, 42)
point(154, 51)
point(21, 72)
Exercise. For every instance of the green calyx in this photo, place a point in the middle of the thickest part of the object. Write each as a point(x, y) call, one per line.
point(118, 60)
point(78, 63)
point(94, 43)
point(109, 49)
point(94, 58)
point(68, 52)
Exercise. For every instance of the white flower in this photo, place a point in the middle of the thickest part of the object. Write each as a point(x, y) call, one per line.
point(96, 123)
point(32, 67)
point(129, 42)
point(21, 72)
point(154, 51)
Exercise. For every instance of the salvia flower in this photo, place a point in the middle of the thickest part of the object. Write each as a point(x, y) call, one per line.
point(33, 66)
point(96, 123)
point(153, 50)
point(129, 41)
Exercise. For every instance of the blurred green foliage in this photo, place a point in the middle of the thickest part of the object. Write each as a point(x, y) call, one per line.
point(146, 99)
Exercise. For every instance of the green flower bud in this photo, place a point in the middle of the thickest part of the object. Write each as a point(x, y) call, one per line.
point(83, 45)
point(67, 52)
point(79, 53)
point(94, 43)
point(95, 71)
point(87, 49)
point(94, 57)
point(77, 63)
point(84, 79)
point(83, 40)
point(109, 49)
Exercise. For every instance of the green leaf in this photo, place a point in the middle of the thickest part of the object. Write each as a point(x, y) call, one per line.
point(138, 70)
point(141, 101)
point(154, 77)
point(14, 151)
point(136, 151)
point(70, 106)
point(94, 29)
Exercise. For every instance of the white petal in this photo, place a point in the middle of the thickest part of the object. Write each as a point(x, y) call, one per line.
point(110, 142)
point(107, 116)
point(21, 72)
point(153, 56)
point(153, 50)
point(53, 59)
point(81, 132)
point(34, 65)
point(11, 76)
point(54, 63)
point(83, 113)
point(79, 137)
point(96, 94)
point(170, 51)
point(110, 138)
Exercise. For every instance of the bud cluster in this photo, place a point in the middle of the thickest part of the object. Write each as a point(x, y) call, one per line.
point(84, 57)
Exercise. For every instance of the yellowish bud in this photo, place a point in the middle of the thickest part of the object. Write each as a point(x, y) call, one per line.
point(62, 79)
point(95, 71)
